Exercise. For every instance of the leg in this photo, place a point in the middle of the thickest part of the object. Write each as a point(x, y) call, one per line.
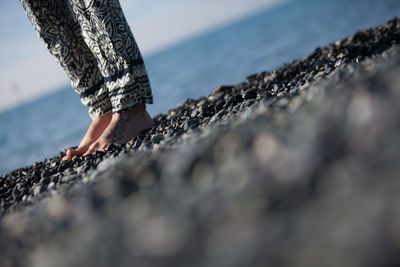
point(60, 30)
point(109, 37)
point(107, 34)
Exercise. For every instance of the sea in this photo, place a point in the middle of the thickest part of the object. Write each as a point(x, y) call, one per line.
point(194, 68)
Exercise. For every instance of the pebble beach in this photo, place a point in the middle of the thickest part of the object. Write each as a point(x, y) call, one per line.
point(296, 166)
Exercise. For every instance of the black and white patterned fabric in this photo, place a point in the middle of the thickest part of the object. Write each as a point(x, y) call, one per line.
point(94, 44)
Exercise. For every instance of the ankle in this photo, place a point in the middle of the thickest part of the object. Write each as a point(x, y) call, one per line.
point(136, 111)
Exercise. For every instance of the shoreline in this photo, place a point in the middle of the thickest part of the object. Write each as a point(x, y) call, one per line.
point(284, 143)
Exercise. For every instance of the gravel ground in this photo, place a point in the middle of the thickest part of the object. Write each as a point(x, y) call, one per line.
point(292, 167)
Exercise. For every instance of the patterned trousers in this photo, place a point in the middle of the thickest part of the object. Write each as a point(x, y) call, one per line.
point(94, 44)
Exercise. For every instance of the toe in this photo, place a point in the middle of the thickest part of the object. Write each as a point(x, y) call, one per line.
point(65, 158)
point(99, 145)
point(92, 149)
point(70, 153)
point(73, 152)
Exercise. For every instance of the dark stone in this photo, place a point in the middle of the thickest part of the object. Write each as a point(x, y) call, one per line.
point(138, 143)
point(220, 105)
point(17, 196)
point(157, 139)
point(68, 163)
point(231, 102)
point(207, 110)
point(49, 172)
point(221, 113)
point(250, 94)
point(45, 180)
point(99, 153)
point(54, 179)
point(191, 124)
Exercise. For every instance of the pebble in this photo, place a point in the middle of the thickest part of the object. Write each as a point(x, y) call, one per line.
point(319, 75)
point(250, 94)
point(157, 139)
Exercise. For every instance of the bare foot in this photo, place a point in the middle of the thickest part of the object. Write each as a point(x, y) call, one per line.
point(123, 127)
point(95, 130)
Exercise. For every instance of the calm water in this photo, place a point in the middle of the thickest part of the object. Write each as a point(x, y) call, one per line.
point(195, 68)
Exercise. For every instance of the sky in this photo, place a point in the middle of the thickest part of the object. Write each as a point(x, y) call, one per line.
point(28, 71)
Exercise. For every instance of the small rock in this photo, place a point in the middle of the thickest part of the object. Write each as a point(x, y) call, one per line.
point(250, 94)
point(39, 188)
point(45, 180)
point(54, 178)
point(138, 143)
point(231, 102)
point(191, 124)
point(207, 110)
point(51, 186)
point(319, 75)
point(275, 88)
point(157, 139)
point(219, 106)
point(338, 63)
point(68, 178)
point(17, 196)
